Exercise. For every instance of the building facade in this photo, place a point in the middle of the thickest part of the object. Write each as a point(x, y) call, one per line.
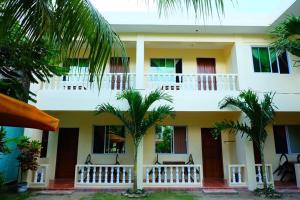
point(198, 66)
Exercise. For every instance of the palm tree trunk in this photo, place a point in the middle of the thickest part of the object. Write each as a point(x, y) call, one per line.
point(135, 167)
point(263, 170)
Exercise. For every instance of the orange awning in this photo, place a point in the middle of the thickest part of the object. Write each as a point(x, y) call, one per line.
point(19, 114)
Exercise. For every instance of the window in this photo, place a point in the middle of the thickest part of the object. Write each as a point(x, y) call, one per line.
point(265, 59)
point(287, 139)
point(170, 139)
point(109, 139)
point(44, 142)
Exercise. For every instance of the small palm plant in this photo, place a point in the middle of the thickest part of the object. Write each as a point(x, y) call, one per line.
point(139, 117)
point(258, 113)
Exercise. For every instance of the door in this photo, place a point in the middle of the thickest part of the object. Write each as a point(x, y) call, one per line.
point(116, 66)
point(211, 155)
point(206, 66)
point(67, 148)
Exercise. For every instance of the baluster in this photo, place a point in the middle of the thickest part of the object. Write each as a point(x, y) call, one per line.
point(129, 176)
point(94, 174)
point(88, 175)
point(189, 175)
point(233, 175)
point(106, 175)
point(124, 173)
point(165, 177)
point(159, 175)
point(35, 176)
point(177, 175)
point(81, 175)
point(111, 174)
point(259, 174)
point(43, 175)
point(118, 174)
point(121, 82)
point(100, 175)
point(147, 175)
point(195, 174)
point(153, 175)
point(266, 174)
point(239, 174)
point(182, 175)
point(171, 174)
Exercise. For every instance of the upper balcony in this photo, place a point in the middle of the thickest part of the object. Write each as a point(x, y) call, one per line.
point(197, 75)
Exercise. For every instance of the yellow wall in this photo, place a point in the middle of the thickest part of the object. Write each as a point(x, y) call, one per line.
point(188, 56)
point(193, 121)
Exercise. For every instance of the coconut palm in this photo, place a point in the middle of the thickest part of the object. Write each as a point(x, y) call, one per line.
point(139, 117)
point(77, 27)
point(259, 114)
point(287, 36)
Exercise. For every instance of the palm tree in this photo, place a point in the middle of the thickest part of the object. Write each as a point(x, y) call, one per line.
point(138, 118)
point(287, 36)
point(74, 25)
point(258, 113)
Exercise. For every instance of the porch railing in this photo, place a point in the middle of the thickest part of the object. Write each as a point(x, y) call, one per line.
point(82, 82)
point(40, 177)
point(103, 175)
point(237, 175)
point(195, 82)
point(297, 170)
point(268, 172)
point(173, 175)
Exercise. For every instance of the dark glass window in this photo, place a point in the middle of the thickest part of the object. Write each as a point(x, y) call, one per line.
point(266, 59)
point(44, 142)
point(280, 139)
point(109, 139)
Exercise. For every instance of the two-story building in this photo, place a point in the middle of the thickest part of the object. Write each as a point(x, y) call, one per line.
point(198, 64)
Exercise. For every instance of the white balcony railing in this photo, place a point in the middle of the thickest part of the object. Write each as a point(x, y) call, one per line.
point(40, 177)
point(170, 82)
point(268, 172)
point(237, 175)
point(196, 82)
point(173, 175)
point(82, 82)
point(87, 176)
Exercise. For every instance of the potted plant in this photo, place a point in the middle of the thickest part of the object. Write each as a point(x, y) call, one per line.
point(29, 153)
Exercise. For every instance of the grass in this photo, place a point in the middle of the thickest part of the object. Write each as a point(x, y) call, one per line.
point(14, 195)
point(152, 196)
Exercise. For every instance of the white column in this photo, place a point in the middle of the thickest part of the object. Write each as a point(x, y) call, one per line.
point(140, 62)
point(140, 163)
point(245, 155)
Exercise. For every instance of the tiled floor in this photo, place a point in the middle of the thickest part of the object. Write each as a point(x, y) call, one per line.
point(61, 184)
point(215, 183)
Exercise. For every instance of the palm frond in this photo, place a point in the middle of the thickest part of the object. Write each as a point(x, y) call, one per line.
point(156, 115)
point(201, 8)
point(231, 126)
point(287, 36)
point(75, 25)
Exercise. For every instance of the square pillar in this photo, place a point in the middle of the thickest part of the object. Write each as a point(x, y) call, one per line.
point(139, 81)
point(245, 155)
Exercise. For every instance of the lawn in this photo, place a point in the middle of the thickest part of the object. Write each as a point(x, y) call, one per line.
point(13, 196)
point(152, 196)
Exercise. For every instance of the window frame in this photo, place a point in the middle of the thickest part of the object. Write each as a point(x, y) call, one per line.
point(289, 151)
point(104, 153)
point(173, 145)
point(277, 61)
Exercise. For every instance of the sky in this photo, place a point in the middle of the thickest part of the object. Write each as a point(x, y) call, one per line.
point(252, 6)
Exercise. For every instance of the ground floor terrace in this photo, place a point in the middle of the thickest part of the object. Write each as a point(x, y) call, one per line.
point(96, 152)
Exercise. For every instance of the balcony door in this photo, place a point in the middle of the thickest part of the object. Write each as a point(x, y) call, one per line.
point(118, 81)
point(211, 155)
point(206, 66)
point(67, 148)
